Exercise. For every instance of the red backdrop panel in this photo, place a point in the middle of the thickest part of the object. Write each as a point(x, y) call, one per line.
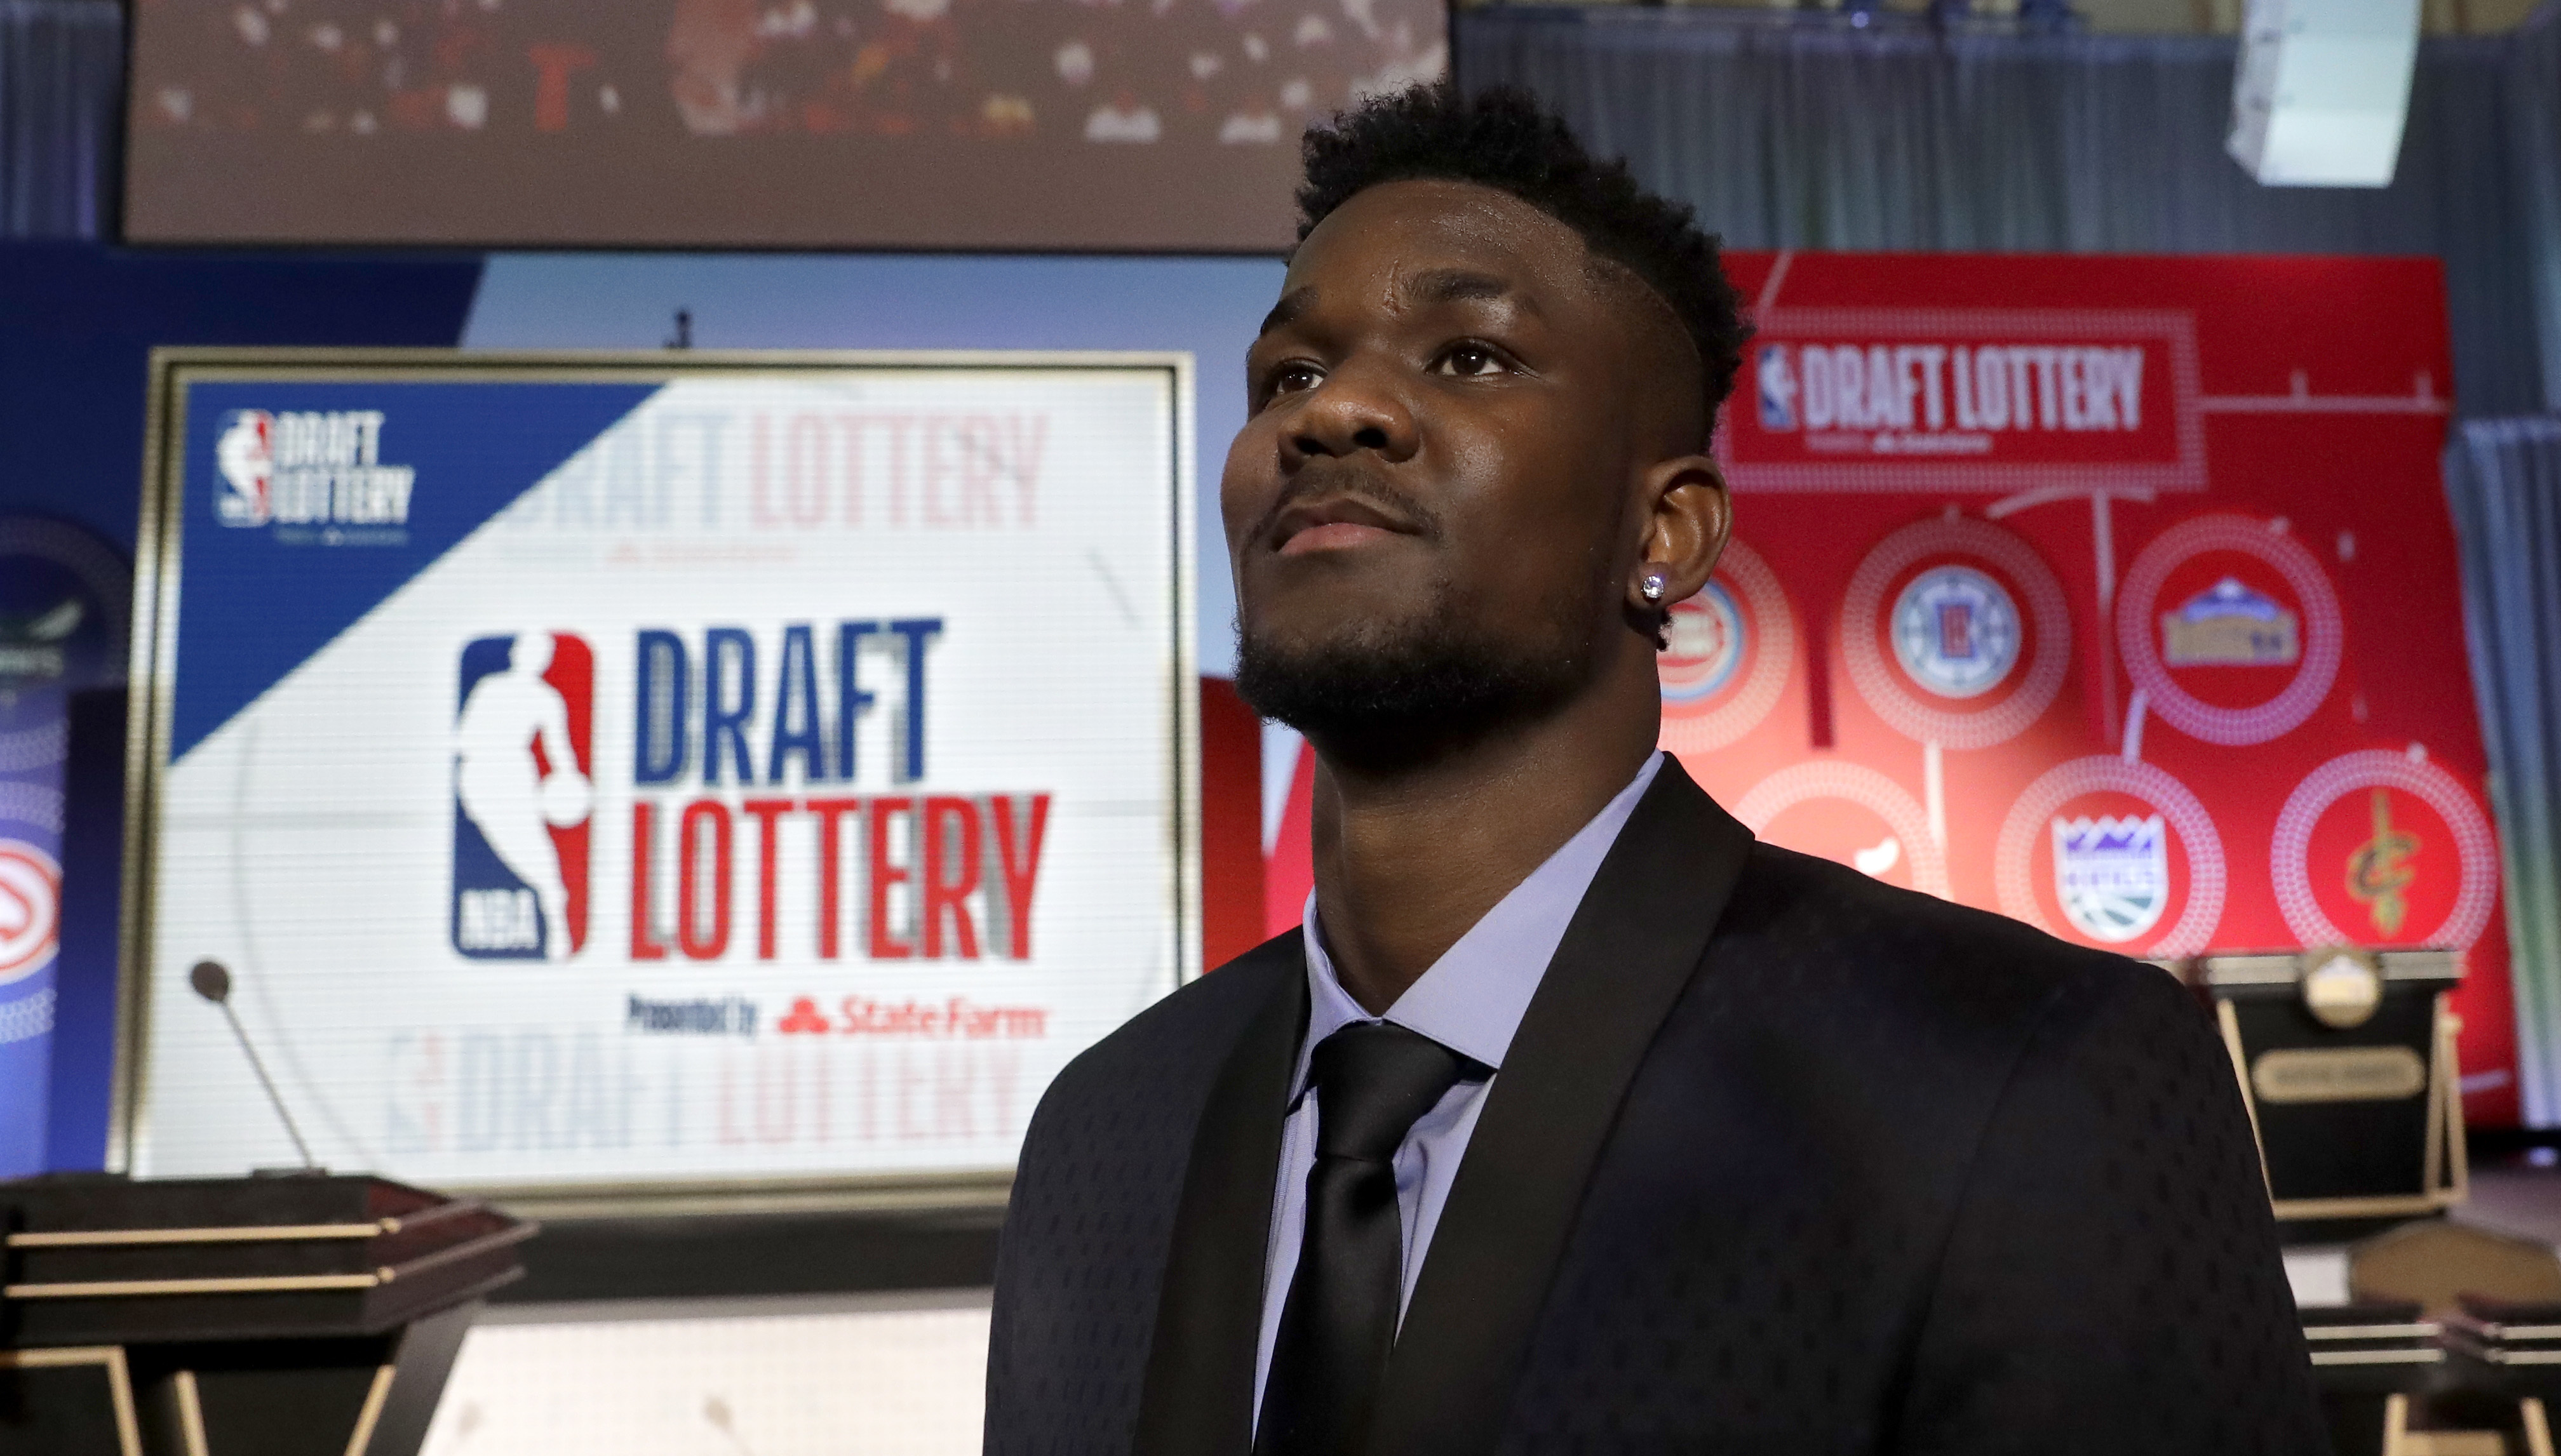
point(2117, 595)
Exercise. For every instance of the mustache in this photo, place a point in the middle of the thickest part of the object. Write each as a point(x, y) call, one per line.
point(1336, 481)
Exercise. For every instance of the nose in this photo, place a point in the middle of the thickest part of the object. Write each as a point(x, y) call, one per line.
point(1354, 410)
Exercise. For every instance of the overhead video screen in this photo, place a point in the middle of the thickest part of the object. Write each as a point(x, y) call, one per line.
point(1070, 124)
point(614, 772)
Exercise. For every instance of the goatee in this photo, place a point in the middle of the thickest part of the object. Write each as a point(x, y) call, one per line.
point(1383, 695)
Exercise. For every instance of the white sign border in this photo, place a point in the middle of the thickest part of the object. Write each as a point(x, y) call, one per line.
point(156, 589)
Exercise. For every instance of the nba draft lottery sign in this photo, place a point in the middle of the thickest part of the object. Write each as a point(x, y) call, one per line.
point(2114, 595)
point(603, 772)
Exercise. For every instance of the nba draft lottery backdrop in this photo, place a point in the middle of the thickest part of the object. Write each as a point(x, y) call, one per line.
point(2117, 595)
point(616, 770)
point(65, 597)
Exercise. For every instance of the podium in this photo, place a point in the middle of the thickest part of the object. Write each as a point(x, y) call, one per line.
point(2347, 1062)
point(263, 1316)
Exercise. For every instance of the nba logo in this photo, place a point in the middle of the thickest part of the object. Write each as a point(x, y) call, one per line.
point(523, 791)
point(245, 454)
point(1777, 387)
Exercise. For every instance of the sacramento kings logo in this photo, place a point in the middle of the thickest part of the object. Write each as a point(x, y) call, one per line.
point(1956, 631)
point(2111, 876)
point(1707, 646)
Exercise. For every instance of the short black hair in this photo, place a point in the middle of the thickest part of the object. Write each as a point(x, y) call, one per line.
point(1504, 139)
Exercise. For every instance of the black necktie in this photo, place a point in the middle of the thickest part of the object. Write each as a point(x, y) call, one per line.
point(1372, 1081)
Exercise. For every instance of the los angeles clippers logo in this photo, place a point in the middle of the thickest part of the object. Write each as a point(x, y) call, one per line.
point(523, 793)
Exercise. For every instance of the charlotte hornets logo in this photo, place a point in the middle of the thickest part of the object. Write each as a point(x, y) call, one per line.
point(2112, 875)
point(244, 453)
point(522, 796)
point(1956, 631)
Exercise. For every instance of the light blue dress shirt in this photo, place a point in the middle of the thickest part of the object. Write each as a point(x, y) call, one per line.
point(1471, 1001)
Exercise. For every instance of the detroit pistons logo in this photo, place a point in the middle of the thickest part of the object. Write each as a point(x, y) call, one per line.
point(30, 902)
point(523, 794)
point(1706, 635)
point(245, 458)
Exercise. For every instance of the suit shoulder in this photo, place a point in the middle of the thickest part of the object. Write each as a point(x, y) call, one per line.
point(1893, 939)
point(1182, 1038)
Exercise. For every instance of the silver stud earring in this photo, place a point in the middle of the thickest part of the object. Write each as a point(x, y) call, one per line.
point(1653, 586)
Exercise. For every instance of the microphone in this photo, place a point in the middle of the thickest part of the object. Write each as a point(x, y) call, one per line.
point(214, 983)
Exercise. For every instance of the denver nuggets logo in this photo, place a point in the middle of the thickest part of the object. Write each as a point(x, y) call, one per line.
point(1956, 631)
point(2230, 578)
point(2112, 875)
point(2229, 625)
point(1707, 646)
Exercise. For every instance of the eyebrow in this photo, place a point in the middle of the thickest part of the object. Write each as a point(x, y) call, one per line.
point(1292, 304)
point(1432, 287)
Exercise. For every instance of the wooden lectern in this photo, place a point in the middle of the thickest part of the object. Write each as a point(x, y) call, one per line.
point(263, 1316)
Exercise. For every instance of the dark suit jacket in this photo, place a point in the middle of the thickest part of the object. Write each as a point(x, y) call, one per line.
point(1781, 1160)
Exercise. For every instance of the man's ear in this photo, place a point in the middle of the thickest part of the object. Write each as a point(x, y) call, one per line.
point(1687, 516)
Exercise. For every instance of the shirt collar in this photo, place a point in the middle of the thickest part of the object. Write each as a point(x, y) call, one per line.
point(1473, 998)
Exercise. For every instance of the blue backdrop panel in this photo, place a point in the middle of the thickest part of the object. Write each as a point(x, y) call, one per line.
point(78, 323)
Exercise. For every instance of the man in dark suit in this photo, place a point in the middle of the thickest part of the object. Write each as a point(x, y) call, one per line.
point(1573, 1119)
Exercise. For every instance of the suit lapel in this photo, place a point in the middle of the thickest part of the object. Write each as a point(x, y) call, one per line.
point(1199, 1393)
point(1631, 949)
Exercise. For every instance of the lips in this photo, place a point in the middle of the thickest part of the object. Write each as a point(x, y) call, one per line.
point(1337, 523)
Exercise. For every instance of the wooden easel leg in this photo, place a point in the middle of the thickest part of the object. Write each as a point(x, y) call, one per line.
point(2538, 1431)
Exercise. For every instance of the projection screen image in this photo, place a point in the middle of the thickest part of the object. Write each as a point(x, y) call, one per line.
point(1049, 124)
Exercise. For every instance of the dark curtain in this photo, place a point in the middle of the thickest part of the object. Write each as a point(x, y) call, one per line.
point(2503, 483)
point(1796, 136)
point(62, 84)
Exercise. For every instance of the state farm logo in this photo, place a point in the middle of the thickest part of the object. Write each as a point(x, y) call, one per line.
point(30, 900)
point(314, 467)
point(523, 793)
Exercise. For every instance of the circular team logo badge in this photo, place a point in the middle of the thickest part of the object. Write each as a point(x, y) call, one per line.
point(2377, 847)
point(2111, 853)
point(1956, 633)
point(1851, 814)
point(1731, 650)
point(31, 904)
point(2231, 629)
point(1707, 645)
